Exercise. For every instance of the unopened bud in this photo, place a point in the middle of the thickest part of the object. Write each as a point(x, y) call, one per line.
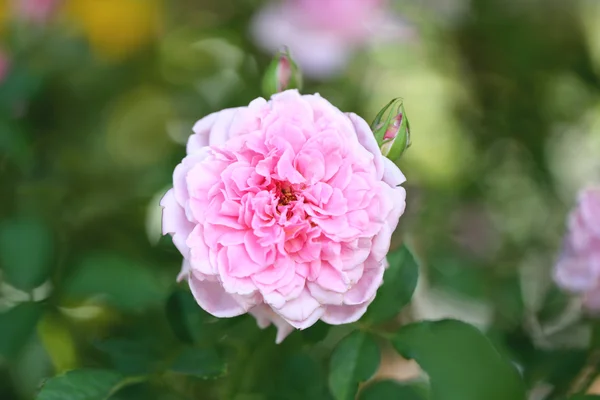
point(392, 130)
point(282, 74)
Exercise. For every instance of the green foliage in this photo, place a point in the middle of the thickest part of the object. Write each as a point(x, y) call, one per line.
point(122, 283)
point(84, 384)
point(399, 283)
point(94, 118)
point(17, 325)
point(133, 356)
point(200, 363)
point(25, 252)
point(355, 359)
point(461, 362)
point(389, 390)
point(301, 377)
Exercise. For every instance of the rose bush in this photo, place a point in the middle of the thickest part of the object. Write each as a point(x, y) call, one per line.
point(322, 34)
point(284, 209)
point(578, 269)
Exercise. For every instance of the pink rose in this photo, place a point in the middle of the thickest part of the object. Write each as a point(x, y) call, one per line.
point(322, 34)
point(284, 209)
point(578, 269)
point(38, 11)
point(4, 66)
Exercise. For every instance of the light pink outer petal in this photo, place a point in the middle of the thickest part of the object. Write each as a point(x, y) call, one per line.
point(301, 312)
point(398, 196)
point(265, 316)
point(367, 139)
point(367, 286)
point(199, 138)
point(211, 130)
point(576, 274)
point(211, 296)
point(337, 315)
point(175, 222)
point(392, 174)
point(185, 270)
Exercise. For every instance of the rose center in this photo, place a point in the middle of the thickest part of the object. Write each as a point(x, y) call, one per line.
point(286, 196)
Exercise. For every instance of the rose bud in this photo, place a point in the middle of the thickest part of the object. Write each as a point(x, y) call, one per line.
point(392, 130)
point(284, 209)
point(282, 74)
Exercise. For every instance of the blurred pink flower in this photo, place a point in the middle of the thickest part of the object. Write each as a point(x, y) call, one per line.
point(37, 11)
point(4, 66)
point(323, 34)
point(284, 209)
point(578, 269)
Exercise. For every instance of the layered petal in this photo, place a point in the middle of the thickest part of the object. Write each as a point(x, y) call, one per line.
point(284, 208)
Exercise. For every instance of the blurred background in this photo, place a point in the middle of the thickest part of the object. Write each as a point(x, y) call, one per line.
point(98, 97)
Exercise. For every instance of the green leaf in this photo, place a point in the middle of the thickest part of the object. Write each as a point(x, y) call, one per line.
point(389, 389)
point(25, 252)
point(461, 362)
point(123, 284)
point(585, 397)
point(84, 384)
point(300, 377)
point(131, 356)
point(200, 363)
point(399, 283)
point(17, 326)
point(355, 359)
point(316, 333)
point(191, 324)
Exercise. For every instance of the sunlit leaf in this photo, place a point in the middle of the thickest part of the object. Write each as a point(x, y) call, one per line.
point(461, 362)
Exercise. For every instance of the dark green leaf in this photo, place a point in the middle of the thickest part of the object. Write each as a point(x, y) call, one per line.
point(14, 144)
point(17, 326)
point(555, 302)
point(460, 361)
point(391, 390)
point(121, 283)
point(316, 333)
point(399, 283)
point(300, 377)
point(191, 324)
point(131, 356)
point(84, 384)
point(200, 363)
point(25, 252)
point(355, 359)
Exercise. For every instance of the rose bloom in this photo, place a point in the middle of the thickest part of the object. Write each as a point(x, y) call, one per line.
point(38, 11)
point(323, 34)
point(284, 209)
point(4, 66)
point(578, 269)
